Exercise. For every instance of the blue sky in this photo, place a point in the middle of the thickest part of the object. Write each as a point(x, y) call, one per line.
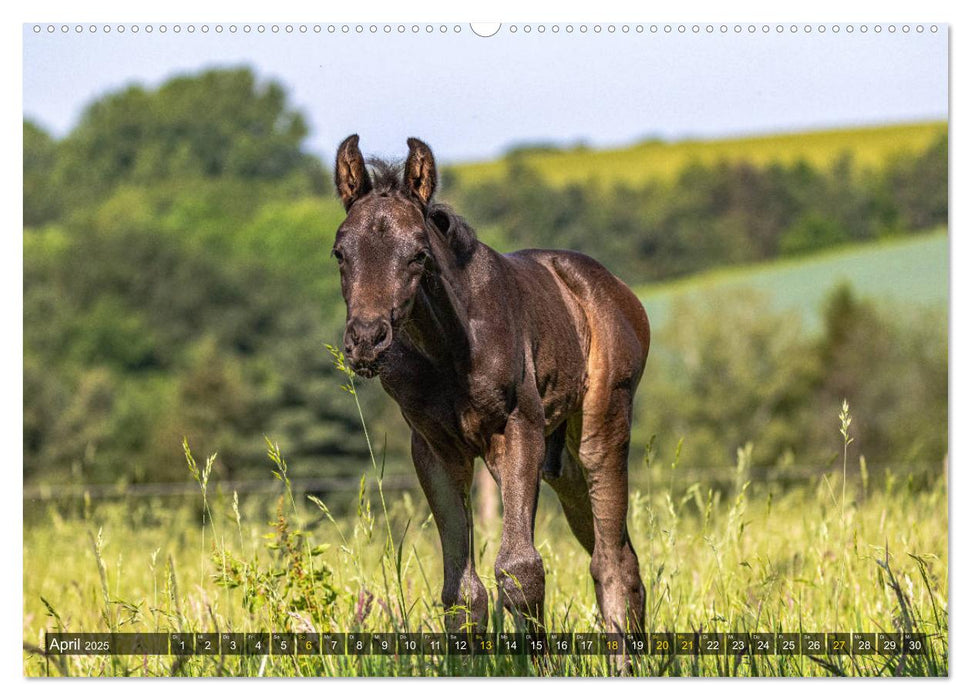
point(471, 97)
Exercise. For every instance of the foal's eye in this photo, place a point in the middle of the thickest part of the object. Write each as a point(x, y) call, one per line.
point(338, 256)
point(419, 258)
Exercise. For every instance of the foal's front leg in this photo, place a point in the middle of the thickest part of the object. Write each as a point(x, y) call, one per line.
point(446, 487)
point(515, 458)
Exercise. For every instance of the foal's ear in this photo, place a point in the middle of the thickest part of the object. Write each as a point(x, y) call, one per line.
point(420, 175)
point(350, 173)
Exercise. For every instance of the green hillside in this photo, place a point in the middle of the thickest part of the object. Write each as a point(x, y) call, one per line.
point(911, 270)
point(870, 146)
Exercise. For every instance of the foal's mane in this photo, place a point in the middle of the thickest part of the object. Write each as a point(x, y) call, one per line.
point(386, 178)
point(386, 175)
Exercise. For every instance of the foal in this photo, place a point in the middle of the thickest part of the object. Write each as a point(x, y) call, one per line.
point(528, 360)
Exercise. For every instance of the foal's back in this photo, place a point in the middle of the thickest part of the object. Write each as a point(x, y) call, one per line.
point(606, 315)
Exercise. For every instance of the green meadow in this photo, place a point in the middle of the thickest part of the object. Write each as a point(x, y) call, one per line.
point(847, 552)
point(909, 271)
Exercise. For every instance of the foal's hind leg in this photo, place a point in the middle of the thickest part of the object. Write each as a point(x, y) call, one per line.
point(570, 486)
point(603, 450)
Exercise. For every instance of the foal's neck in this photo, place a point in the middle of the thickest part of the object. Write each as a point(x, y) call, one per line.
point(439, 323)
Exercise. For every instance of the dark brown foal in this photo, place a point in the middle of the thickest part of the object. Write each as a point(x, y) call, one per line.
point(528, 360)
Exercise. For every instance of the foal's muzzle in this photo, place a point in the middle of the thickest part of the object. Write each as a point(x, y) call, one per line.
point(364, 341)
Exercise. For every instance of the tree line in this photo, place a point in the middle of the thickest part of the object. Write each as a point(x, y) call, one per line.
point(712, 215)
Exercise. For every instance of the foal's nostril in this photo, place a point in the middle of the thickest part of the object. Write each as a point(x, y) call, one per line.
point(367, 337)
point(350, 338)
point(382, 338)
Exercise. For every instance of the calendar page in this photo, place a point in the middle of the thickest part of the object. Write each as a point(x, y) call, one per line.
point(423, 349)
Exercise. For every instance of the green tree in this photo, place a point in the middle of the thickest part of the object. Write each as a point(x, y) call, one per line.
point(891, 365)
point(41, 197)
point(220, 124)
point(918, 184)
point(727, 371)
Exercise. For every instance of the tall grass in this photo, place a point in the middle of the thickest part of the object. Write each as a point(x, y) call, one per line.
point(749, 557)
point(393, 552)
